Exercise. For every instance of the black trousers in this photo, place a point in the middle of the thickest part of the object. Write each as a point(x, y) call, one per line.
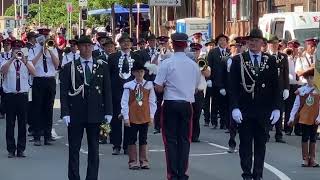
point(157, 115)
point(233, 133)
point(30, 118)
point(288, 107)
point(43, 94)
point(176, 132)
point(253, 131)
point(16, 110)
point(197, 107)
point(134, 130)
point(309, 133)
point(219, 106)
point(208, 105)
point(278, 124)
point(75, 135)
point(116, 134)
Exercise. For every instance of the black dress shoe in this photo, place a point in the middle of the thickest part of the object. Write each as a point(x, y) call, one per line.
point(156, 131)
point(37, 143)
point(280, 141)
point(214, 126)
point(195, 140)
point(116, 151)
point(206, 124)
point(11, 155)
point(47, 142)
point(247, 178)
point(51, 139)
point(21, 155)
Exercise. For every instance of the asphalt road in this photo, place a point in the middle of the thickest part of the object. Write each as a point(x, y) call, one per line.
point(209, 159)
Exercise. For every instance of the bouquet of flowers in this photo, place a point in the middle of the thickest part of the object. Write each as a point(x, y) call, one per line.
point(105, 130)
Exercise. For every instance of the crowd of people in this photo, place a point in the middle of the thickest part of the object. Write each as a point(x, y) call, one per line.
point(242, 84)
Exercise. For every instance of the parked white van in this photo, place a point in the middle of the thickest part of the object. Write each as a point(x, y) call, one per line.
point(291, 25)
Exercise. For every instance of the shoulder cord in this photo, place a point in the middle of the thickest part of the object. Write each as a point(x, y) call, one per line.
point(73, 81)
point(244, 68)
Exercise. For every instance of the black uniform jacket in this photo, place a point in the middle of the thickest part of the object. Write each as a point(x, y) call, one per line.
point(116, 81)
point(97, 101)
point(266, 92)
point(283, 71)
point(218, 66)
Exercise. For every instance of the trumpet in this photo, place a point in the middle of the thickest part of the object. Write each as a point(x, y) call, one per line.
point(49, 43)
point(288, 51)
point(19, 55)
point(203, 64)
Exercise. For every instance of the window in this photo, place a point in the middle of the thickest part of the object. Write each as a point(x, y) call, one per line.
point(233, 9)
point(208, 8)
point(245, 9)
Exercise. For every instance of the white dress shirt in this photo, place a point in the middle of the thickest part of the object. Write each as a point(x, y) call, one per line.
point(126, 96)
point(5, 56)
point(83, 63)
point(180, 76)
point(69, 57)
point(39, 66)
point(9, 81)
point(302, 91)
point(258, 57)
point(292, 71)
point(222, 50)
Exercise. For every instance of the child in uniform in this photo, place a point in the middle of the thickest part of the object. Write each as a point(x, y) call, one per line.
point(306, 111)
point(138, 106)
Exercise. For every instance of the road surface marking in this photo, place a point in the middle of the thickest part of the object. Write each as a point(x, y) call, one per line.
point(192, 155)
point(272, 169)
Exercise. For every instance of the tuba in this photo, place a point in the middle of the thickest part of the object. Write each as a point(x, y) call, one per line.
point(19, 55)
point(203, 64)
point(288, 51)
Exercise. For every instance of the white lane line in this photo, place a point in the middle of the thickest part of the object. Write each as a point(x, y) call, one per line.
point(192, 155)
point(272, 169)
point(210, 154)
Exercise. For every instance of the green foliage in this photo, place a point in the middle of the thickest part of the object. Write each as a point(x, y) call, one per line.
point(54, 12)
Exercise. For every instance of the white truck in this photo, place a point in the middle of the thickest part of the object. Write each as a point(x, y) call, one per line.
point(291, 25)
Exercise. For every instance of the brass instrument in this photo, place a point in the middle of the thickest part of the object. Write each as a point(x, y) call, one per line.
point(203, 64)
point(19, 55)
point(49, 43)
point(288, 51)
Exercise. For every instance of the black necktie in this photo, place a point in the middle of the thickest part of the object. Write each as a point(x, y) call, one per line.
point(222, 52)
point(74, 57)
point(125, 65)
point(17, 66)
point(87, 72)
point(256, 63)
point(311, 59)
point(45, 65)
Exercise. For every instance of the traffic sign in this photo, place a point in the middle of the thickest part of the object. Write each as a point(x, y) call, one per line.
point(164, 2)
point(69, 7)
point(83, 3)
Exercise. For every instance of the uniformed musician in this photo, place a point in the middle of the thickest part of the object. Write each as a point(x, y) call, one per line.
point(283, 74)
point(255, 100)
point(7, 51)
point(217, 58)
point(72, 55)
point(98, 49)
point(15, 86)
point(295, 83)
point(151, 49)
point(86, 102)
point(199, 95)
point(178, 78)
point(163, 53)
point(308, 57)
point(208, 96)
point(120, 64)
point(46, 61)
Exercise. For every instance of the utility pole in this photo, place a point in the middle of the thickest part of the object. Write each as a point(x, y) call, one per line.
point(39, 13)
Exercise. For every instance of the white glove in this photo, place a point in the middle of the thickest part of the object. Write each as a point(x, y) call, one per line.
point(275, 115)
point(223, 92)
point(317, 121)
point(285, 94)
point(108, 118)
point(209, 83)
point(290, 121)
point(237, 116)
point(66, 119)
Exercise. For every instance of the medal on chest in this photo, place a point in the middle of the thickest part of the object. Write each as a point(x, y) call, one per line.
point(310, 100)
point(120, 66)
point(139, 95)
